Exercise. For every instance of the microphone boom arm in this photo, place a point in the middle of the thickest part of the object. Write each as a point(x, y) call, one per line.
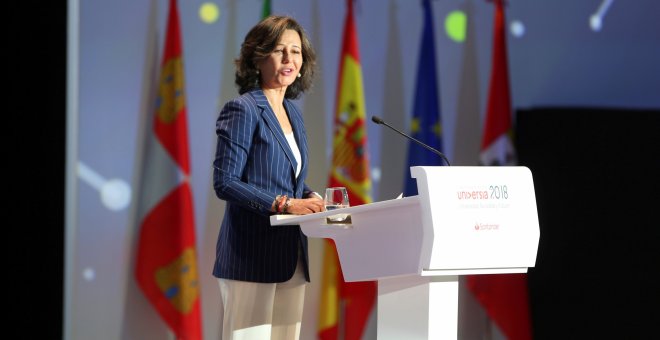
point(377, 120)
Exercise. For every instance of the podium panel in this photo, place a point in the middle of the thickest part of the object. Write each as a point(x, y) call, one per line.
point(478, 217)
point(368, 247)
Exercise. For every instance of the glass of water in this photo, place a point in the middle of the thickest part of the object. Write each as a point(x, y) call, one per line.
point(336, 198)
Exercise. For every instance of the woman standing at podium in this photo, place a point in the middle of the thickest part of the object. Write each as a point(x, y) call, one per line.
point(260, 168)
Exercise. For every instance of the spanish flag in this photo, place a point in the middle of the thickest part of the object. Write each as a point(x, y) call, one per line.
point(342, 303)
point(166, 267)
point(504, 297)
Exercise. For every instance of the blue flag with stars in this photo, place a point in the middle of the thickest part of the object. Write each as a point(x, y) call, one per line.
point(425, 125)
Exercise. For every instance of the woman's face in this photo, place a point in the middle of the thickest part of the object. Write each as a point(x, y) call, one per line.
point(281, 68)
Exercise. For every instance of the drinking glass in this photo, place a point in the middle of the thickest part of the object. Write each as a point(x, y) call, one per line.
point(336, 198)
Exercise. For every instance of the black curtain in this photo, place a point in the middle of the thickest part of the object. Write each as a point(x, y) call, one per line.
point(597, 182)
point(34, 132)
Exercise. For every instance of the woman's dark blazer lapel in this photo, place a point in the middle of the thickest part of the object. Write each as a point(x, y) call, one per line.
point(296, 123)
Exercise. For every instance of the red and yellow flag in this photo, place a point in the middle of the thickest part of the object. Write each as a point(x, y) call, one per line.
point(166, 267)
point(348, 304)
point(503, 296)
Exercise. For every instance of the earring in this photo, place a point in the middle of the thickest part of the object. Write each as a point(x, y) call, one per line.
point(258, 71)
point(299, 75)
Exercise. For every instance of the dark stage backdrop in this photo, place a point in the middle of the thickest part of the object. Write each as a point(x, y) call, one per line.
point(596, 179)
point(34, 128)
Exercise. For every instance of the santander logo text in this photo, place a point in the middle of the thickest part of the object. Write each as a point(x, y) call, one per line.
point(485, 226)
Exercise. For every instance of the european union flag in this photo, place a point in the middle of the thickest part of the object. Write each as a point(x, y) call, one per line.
point(425, 125)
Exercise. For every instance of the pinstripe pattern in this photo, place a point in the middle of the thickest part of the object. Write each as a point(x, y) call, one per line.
point(253, 164)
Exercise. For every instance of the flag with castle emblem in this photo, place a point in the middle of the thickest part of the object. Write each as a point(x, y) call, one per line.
point(503, 296)
point(349, 304)
point(166, 267)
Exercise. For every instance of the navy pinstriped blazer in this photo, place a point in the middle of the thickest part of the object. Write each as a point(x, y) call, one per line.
point(253, 164)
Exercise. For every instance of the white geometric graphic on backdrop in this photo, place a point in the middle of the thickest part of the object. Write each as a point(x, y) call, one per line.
point(115, 193)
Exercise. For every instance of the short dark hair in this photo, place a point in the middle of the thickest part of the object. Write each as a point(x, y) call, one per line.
point(260, 42)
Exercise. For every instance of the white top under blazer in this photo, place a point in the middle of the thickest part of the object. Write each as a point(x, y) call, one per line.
point(296, 151)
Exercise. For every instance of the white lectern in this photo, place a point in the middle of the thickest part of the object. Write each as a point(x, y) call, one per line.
point(465, 220)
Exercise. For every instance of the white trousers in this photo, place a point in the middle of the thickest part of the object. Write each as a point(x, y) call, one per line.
point(255, 311)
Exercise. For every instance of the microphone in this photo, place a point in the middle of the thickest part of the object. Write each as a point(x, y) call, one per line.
point(379, 121)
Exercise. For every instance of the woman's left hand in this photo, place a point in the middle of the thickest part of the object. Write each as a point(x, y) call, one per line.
point(304, 206)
